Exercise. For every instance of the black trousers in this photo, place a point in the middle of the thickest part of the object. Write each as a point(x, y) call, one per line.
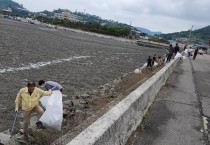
point(169, 56)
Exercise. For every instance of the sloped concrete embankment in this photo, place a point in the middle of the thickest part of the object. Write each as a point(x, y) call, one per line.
point(115, 127)
point(152, 44)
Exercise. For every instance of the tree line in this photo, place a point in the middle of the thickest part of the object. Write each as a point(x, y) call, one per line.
point(88, 26)
point(199, 35)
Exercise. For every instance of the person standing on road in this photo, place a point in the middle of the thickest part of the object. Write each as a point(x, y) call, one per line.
point(176, 49)
point(171, 51)
point(195, 53)
point(29, 99)
point(50, 85)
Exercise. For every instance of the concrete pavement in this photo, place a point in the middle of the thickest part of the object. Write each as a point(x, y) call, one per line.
point(177, 117)
point(201, 74)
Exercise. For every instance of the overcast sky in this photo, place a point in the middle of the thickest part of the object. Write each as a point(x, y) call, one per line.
point(157, 15)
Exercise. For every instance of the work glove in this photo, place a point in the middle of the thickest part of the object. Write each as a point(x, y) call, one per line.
point(16, 109)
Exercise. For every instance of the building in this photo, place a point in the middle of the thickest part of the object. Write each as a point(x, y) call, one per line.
point(42, 14)
point(183, 40)
point(9, 9)
point(67, 15)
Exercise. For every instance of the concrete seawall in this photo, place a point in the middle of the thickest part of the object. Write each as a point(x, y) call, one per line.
point(115, 127)
point(152, 44)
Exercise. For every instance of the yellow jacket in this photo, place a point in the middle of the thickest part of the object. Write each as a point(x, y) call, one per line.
point(30, 101)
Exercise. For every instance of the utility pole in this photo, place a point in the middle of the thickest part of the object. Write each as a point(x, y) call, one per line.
point(190, 34)
point(131, 31)
point(130, 26)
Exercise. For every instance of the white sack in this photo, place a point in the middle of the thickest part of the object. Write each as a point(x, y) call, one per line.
point(165, 60)
point(53, 116)
point(183, 57)
point(178, 55)
point(144, 66)
point(155, 63)
point(186, 52)
point(44, 101)
point(137, 71)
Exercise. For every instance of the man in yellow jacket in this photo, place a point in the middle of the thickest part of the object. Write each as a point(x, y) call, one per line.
point(29, 99)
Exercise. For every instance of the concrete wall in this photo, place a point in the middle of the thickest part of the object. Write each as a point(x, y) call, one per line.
point(115, 127)
point(147, 43)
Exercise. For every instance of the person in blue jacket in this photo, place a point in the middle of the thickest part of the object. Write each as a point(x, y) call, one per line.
point(50, 85)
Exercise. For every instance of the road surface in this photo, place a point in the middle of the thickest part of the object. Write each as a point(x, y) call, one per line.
point(181, 111)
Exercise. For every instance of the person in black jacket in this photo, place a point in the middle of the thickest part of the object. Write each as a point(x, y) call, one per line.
point(195, 53)
point(176, 49)
point(149, 62)
point(171, 52)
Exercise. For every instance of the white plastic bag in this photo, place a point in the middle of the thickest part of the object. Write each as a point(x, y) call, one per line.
point(137, 71)
point(186, 52)
point(53, 116)
point(44, 101)
point(183, 57)
point(155, 63)
point(178, 55)
point(165, 60)
point(144, 66)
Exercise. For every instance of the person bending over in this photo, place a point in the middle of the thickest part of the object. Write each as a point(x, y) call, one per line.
point(50, 85)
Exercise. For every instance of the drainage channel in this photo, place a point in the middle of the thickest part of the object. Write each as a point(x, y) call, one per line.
point(204, 120)
point(205, 125)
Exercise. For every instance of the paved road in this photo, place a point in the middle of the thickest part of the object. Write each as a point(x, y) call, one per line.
point(176, 117)
point(201, 74)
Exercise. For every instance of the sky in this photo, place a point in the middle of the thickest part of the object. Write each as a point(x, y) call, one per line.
point(166, 16)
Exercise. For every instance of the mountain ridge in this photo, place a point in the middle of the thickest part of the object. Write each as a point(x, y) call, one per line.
point(16, 7)
point(147, 31)
point(197, 35)
point(4, 4)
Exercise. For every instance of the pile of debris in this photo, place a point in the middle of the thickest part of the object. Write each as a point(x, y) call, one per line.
point(83, 101)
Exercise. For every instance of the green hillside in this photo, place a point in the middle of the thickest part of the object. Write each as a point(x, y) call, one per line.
point(97, 19)
point(5, 3)
point(200, 35)
point(16, 8)
point(89, 18)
